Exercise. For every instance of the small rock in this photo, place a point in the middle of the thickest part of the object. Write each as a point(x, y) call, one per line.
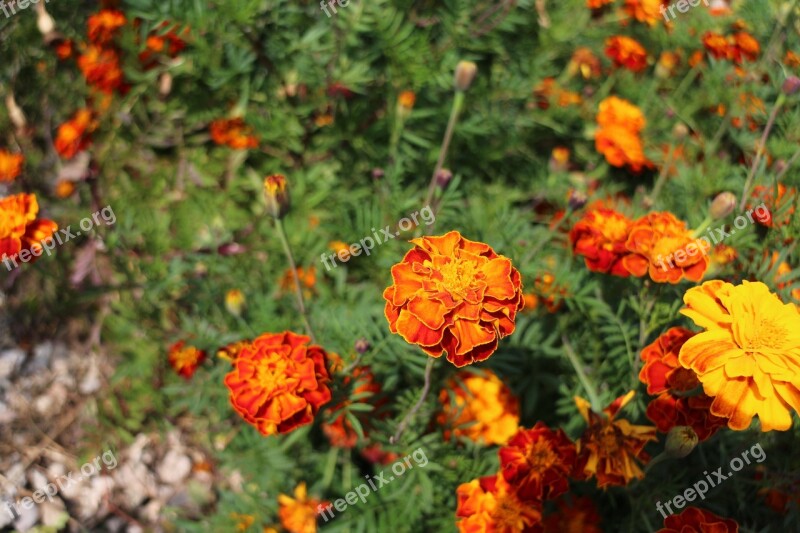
point(27, 518)
point(10, 361)
point(91, 381)
point(174, 467)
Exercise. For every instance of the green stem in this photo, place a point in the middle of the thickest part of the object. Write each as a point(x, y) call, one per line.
point(760, 150)
point(662, 176)
point(292, 266)
point(402, 427)
point(458, 103)
point(703, 226)
point(594, 399)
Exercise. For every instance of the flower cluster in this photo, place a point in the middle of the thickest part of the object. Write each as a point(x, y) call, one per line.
point(618, 135)
point(20, 229)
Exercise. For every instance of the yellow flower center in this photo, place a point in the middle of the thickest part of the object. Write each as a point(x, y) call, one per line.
point(273, 373)
point(459, 276)
point(765, 335)
point(614, 229)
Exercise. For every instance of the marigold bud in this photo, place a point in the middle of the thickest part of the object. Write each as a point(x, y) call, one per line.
point(723, 205)
point(362, 345)
point(443, 178)
point(680, 131)
point(681, 440)
point(791, 85)
point(465, 74)
point(235, 302)
point(277, 195)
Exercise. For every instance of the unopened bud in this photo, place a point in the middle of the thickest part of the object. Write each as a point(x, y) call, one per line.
point(276, 195)
point(234, 302)
point(362, 345)
point(443, 178)
point(791, 85)
point(577, 199)
point(681, 440)
point(231, 248)
point(680, 131)
point(15, 113)
point(723, 205)
point(377, 173)
point(465, 74)
point(165, 84)
point(44, 21)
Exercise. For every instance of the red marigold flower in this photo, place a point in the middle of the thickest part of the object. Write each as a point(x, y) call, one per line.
point(233, 133)
point(279, 382)
point(667, 411)
point(766, 196)
point(185, 359)
point(577, 516)
point(746, 46)
point(65, 48)
point(662, 371)
point(340, 431)
point(609, 448)
point(597, 4)
point(626, 52)
point(537, 462)
point(102, 69)
point(10, 165)
point(482, 409)
point(163, 43)
point(19, 228)
point(74, 135)
point(584, 61)
point(662, 247)
point(600, 238)
point(453, 295)
point(700, 520)
point(490, 504)
point(104, 25)
point(717, 45)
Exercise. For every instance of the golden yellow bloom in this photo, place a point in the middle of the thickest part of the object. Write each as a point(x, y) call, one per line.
point(299, 514)
point(243, 521)
point(235, 302)
point(407, 99)
point(748, 359)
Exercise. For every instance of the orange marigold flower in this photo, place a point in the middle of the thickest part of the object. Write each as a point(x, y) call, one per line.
point(74, 135)
point(231, 351)
point(65, 48)
point(479, 407)
point(609, 449)
point(783, 270)
point(407, 99)
point(10, 165)
point(185, 359)
point(19, 228)
point(700, 520)
point(160, 43)
point(104, 25)
point(233, 133)
point(552, 295)
point(299, 514)
point(667, 64)
point(621, 147)
point(766, 194)
point(490, 504)
point(376, 455)
point(746, 46)
point(722, 255)
point(717, 45)
point(647, 11)
point(102, 69)
point(791, 59)
point(64, 188)
point(662, 371)
point(748, 359)
point(578, 516)
point(616, 111)
point(584, 61)
point(597, 4)
point(307, 277)
point(662, 247)
point(243, 521)
point(453, 295)
point(279, 382)
point(537, 462)
point(340, 431)
point(667, 411)
point(600, 238)
point(549, 90)
point(626, 52)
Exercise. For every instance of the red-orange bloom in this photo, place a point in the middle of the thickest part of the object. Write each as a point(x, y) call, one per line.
point(600, 238)
point(489, 504)
point(597, 4)
point(75, 135)
point(662, 247)
point(618, 136)
point(102, 69)
point(10, 165)
point(340, 431)
point(647, 11)
point(164, 43)
point(537, 462)
point(584, 61)
point(64, 49)
point(19, 228)
point(626, 52)
point(762, 213)
point(667, 411)
point(578, 516)
point(453, 295)
point(662, 371)
point(103, 26)
point(609, 449)
point(736, 47)
point(279, 382)
point(696, 520)
point(233, 133)
point(185, 359)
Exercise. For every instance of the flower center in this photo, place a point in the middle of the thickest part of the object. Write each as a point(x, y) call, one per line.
point(458, 277)
point(614, 229)
point(609, 440)
point(540, 455)
point(272, 374)
point(766, 335)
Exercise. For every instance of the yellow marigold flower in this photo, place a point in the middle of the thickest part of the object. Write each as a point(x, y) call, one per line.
point(748, 359)
point(647, 11)
point(299, 514)
point(243, 521)
point(276, 193)
point(484, 410)
point(609, 448)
